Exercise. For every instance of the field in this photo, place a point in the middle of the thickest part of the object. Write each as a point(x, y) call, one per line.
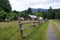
point(11, 31)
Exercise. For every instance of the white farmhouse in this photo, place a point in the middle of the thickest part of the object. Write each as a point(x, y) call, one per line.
point(32, 17)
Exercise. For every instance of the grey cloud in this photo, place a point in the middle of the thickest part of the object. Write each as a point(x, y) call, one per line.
point(53, 1)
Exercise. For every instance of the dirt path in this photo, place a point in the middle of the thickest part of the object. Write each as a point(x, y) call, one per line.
point(51, 33)
point(57, 26)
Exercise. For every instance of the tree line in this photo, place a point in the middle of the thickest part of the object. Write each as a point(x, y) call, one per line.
point(53, 13)
point(7, 13)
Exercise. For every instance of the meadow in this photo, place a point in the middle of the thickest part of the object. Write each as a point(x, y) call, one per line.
point(11, 31)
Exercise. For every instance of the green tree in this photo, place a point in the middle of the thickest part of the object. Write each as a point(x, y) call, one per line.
point(5, 5)
point(2, 15)
point(44, 15)
point(29, 11)
point(38, 14)
point(15, 11)
point(57, 14)
point(10, 16)
point(50, 13)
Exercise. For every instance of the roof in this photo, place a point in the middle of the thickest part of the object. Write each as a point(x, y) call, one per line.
point(32, 16)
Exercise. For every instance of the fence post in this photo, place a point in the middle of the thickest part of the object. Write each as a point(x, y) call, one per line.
point(38, 22)
point(20, 26)
point(34, 25)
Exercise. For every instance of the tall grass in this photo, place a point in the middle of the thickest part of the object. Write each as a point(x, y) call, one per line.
point(11, 31)
point(8, 30)
point(39, 34)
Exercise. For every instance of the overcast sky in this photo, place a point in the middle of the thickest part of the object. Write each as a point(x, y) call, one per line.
point(21, 5)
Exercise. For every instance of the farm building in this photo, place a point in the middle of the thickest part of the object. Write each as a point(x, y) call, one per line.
point(32, 17)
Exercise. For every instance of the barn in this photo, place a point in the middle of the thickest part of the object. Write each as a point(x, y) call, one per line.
point(32, 17)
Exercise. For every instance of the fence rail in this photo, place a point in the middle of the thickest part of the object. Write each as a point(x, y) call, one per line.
point(29, 22)
point(22, 23)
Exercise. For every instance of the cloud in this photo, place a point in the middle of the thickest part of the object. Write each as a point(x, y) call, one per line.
point(54, 1)
point(56, 5)
point(21, 5)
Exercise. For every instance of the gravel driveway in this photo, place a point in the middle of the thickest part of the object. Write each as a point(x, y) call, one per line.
point(51, 35)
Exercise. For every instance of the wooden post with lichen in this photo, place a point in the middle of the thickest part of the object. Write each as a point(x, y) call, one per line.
point(20, 26)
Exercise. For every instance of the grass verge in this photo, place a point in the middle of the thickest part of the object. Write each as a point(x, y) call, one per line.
point(40, 33)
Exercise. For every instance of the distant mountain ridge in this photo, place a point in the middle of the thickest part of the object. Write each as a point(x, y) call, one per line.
point(39, 9)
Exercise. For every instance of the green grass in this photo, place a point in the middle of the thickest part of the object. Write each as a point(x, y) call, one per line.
point(57, 21)
point(7, 34)
point(10, 31)
point(40, 33)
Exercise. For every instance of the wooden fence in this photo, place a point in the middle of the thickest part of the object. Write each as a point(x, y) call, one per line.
point(22, 23)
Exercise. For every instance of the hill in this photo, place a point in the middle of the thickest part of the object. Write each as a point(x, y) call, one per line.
point(39, 9)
